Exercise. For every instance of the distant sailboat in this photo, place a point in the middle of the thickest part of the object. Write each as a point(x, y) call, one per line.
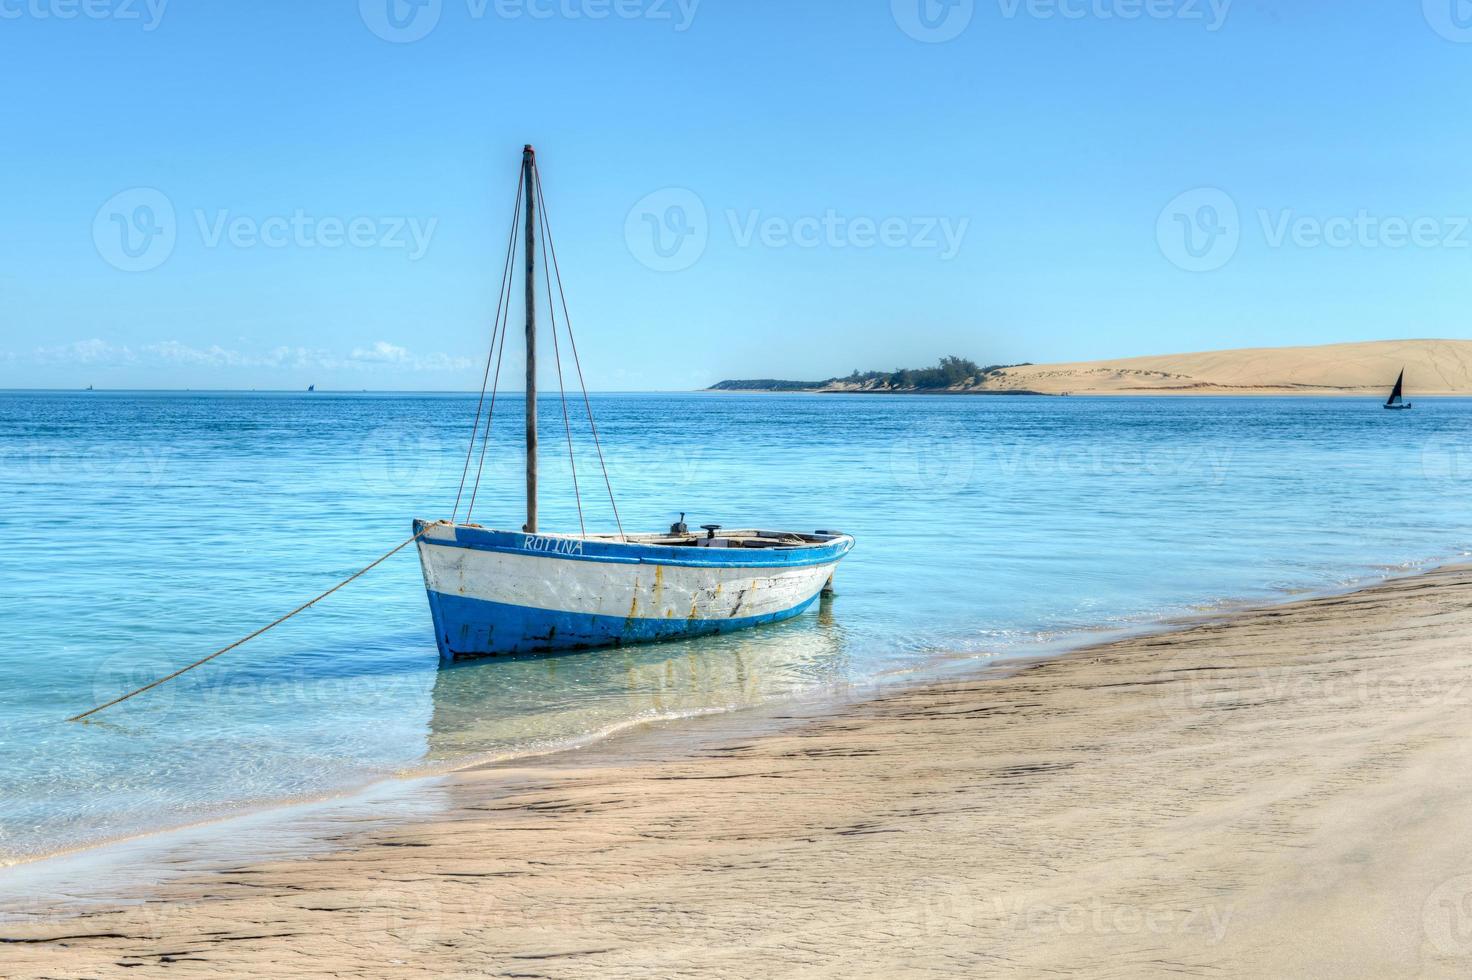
point(311, 388)
point(1396, 403)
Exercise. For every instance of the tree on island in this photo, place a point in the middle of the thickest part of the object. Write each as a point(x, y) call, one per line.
point(951, 371)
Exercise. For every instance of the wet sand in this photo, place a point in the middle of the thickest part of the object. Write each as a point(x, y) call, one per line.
point(1286, 792)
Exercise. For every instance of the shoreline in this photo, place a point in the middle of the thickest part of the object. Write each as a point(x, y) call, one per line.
point(1391, 648)
point(941, 667)
point(1213, 392)
point(1366, 393)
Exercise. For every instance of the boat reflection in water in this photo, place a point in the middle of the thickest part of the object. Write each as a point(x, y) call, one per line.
point(521, 705)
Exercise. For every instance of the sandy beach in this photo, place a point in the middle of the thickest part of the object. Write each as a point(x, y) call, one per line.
point(1364, 369)
point(1283, 792)
point(1367, 368)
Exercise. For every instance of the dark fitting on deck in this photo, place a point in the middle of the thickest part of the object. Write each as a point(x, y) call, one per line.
point(679, 526)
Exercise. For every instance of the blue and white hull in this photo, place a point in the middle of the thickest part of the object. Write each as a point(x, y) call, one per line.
point(500, 592)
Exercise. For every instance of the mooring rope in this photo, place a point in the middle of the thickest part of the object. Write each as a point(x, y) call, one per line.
point(243, 640)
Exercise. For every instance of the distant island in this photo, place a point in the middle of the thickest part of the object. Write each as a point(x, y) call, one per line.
point(1433, 367)
point(952, 374)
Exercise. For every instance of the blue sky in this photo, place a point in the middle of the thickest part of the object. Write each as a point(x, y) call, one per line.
point(277, 194)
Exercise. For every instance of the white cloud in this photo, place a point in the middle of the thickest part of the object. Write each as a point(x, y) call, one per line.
point(385, 353)
point(94, 351)
point(173, 352)
point(296, 357)
point(442, 362)
point(380, 355)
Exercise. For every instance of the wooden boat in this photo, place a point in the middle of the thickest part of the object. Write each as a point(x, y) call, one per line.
point(504, 592)
point(1396, 403)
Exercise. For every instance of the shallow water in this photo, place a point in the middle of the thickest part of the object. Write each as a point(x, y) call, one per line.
point(146, 530)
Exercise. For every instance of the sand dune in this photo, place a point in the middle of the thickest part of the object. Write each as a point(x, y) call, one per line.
point(1433, 367)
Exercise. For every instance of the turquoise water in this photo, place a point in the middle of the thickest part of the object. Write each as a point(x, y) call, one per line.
point(143, 531)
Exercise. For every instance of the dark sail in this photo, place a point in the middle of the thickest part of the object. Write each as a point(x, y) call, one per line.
point(1395, 395)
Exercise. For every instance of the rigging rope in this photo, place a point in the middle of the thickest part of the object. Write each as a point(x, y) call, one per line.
point(498, 349)
point(504, 305)
point(501, 298)
point(567, 319)
point(485, 440)
point(557, 357)
point(246, 639)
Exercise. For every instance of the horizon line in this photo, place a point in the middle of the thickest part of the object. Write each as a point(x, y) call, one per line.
point(345, 391)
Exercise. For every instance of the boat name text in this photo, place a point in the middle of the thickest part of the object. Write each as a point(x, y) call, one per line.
point(557, 546)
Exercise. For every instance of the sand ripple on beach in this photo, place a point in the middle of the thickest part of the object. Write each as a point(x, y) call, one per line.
point(1284, 793)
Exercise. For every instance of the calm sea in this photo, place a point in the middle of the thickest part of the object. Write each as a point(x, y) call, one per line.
point(142, 531)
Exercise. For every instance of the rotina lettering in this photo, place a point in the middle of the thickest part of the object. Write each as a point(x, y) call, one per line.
point(557, 546)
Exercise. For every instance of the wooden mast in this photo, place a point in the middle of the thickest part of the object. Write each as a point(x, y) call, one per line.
point(529, 177)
